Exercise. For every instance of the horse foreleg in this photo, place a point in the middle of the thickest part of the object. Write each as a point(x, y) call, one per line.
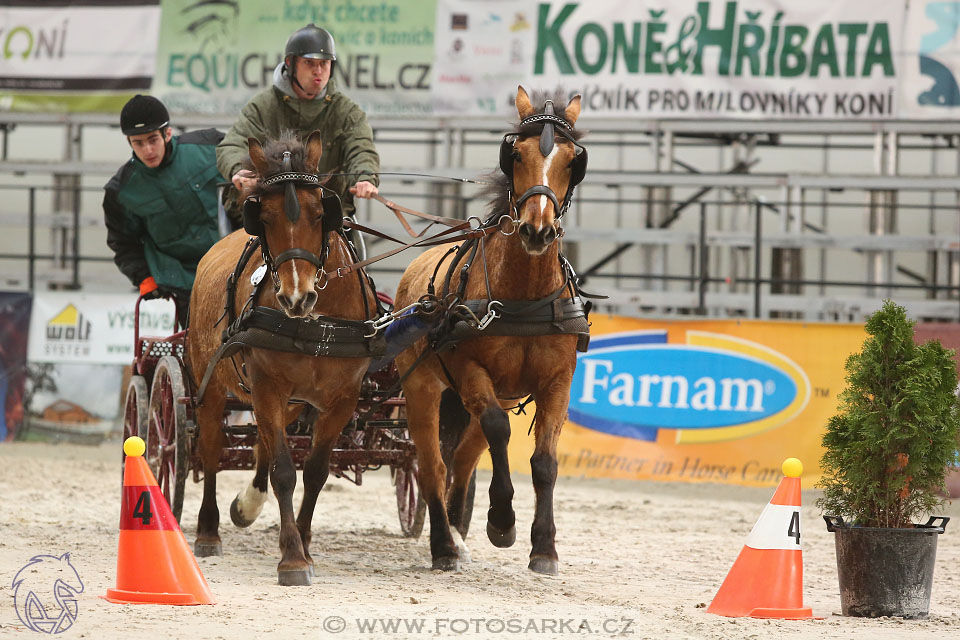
point(316, 468)
point(422, 421)
point(481, 401)
point(209, 417)
point(543, 468)
point(293, 568)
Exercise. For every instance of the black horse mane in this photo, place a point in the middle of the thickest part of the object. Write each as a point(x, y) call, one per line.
point(498, 190)
point(273, 150)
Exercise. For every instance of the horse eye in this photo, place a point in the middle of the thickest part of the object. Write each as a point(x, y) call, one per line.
point(516, 155)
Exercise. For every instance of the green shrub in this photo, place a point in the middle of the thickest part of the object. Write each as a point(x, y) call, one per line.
point(896, 432)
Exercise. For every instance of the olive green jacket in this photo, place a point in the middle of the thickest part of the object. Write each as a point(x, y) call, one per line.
point(347, 137)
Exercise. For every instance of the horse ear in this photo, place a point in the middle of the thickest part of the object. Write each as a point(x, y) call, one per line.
point(524, 107)
point(572, 112)
point(256, 156)
point(314, 150)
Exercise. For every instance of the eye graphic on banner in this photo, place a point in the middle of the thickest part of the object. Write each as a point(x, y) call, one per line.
point(712, 388)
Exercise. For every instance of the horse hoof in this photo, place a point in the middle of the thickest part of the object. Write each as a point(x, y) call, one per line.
point(501, 539)
point(544, 565)
point(237, 517)
point(313, 574)
point(294, 578)
point(206, 548)
point(447, 563)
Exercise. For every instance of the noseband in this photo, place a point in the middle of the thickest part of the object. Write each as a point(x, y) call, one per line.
point(552, 124)
point(290, 181)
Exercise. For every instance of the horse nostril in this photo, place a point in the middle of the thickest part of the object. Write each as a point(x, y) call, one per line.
point(284, 300)
point(549, 235)
point(526, 231)
point(309, 299)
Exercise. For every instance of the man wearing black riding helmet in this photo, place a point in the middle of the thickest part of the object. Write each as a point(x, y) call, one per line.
point(304, 97)
point(161, 206)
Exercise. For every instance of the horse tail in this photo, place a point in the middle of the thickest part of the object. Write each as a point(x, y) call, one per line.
point(454, 419)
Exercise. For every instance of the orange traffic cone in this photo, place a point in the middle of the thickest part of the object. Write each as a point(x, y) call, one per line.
point(766, 580)
point(154, 562)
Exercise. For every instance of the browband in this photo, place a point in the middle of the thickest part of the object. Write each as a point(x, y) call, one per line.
point(291, 176)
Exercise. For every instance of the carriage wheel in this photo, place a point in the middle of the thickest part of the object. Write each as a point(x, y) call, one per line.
point(410, 506)
point(166, 432)
point(134, 412)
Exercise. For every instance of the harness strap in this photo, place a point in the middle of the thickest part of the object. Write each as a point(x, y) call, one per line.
point(397, 209)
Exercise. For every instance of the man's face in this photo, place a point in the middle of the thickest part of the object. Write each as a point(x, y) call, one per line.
point(149, 147)
point(313, 75)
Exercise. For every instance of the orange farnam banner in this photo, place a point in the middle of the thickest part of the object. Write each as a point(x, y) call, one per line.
point(698, 401)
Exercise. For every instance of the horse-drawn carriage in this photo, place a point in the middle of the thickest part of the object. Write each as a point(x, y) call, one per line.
point(497, 317)
point(159, 407)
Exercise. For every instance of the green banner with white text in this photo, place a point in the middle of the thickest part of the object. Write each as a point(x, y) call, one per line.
point(214, 56)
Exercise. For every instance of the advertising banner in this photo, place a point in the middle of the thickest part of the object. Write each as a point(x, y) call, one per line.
point(89, 55)
point(74, 327)
point(214, 56)
point(932, 61)
point(684, 59)
point(698, 401)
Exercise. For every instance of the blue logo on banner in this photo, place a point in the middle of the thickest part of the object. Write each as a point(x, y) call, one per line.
point(634, 384)
point(944, 92)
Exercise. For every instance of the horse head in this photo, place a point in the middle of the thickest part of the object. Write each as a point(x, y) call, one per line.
point(543, 162)
point(292, 214)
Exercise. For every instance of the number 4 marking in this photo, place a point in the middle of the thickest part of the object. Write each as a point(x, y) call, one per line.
point(142, 508)
point(793, 530)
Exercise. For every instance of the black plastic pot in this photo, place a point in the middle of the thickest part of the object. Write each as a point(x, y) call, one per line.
point(886, 572)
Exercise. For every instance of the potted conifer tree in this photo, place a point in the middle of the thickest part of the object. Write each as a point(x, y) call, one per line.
point(886, 457)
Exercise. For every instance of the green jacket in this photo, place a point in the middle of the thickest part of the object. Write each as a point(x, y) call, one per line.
point(161, 221)
point(347, 137)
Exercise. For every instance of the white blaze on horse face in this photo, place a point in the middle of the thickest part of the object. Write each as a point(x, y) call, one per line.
point(295, 295)
point(250, 502)
point(546, 182)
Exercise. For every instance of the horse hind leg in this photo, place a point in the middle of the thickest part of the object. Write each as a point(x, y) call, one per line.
point(248, 503)
point(422, 422)
point(209, 417)
point(463, 464)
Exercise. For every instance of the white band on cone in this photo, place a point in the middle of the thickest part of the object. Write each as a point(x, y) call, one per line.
point(777, 528)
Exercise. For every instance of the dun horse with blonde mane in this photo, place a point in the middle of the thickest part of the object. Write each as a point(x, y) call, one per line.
point(514, 321)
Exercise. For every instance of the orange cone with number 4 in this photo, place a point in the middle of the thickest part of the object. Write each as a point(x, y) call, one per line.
point(154, 562)
point(766, 580)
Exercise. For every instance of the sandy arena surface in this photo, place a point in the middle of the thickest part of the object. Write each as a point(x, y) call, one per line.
point(638, 560)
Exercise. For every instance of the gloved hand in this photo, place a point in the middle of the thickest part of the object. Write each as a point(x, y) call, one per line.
point(149, 289)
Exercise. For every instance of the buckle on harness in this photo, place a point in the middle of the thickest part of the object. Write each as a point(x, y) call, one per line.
point(490, 316)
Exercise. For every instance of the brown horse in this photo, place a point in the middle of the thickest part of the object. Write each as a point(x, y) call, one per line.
point(520, 265)
point(286, 210)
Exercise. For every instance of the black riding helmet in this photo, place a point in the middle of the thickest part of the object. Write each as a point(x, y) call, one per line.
point(311, 42)
point(308, 42)
point(143, 114)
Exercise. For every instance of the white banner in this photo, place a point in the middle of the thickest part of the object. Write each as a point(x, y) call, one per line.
point(780, 59)
point(931, 61)
point(92, 328)
point(78, 46)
